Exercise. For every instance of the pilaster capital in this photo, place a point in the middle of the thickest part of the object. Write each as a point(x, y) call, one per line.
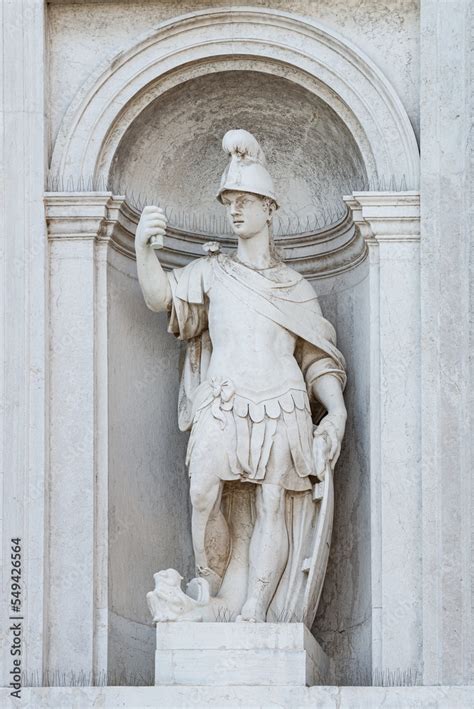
point(75, 215)
point(84, 216)
point(386, 216)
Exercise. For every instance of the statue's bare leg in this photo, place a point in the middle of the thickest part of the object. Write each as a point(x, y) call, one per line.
point(217, 540)
point(206, 491)
point(268, 552)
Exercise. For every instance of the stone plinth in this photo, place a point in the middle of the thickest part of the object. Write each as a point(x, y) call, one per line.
point(230, 654)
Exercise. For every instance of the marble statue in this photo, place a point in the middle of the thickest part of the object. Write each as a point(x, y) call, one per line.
point(261, 366)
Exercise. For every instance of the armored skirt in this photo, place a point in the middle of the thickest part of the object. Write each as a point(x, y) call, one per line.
point(237, 440)
point(256, 343)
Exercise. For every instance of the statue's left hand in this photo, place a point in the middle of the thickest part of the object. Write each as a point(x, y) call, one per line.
point(327, 441)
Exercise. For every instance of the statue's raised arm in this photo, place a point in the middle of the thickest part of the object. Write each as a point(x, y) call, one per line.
point(149, 238)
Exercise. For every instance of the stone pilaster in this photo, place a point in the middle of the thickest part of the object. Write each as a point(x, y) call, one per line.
point(79, 227)
point(390, 224)
point(23, 321)
point(447, 199)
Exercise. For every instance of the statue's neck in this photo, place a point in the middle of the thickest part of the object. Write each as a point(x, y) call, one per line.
point(255, 252)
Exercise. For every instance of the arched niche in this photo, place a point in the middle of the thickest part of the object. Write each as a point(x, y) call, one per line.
point(205, 41)
point(104, 131)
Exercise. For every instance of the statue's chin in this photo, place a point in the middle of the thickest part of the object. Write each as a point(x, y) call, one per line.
point(245, 235)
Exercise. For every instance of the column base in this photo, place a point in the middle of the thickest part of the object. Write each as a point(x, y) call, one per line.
point(239, 654)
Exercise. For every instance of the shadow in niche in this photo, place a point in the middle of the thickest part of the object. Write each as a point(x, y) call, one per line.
point(148, 485)
point(343, 620)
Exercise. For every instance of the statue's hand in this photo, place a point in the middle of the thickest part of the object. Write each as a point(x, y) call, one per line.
point(151, 229)
point(327, 442)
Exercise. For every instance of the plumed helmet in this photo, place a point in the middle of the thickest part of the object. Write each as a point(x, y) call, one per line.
point(246, 171)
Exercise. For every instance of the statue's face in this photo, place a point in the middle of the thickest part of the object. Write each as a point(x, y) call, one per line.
point(248, 213)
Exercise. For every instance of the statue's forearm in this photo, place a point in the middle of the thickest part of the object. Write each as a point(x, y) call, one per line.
point(327, 389)
point(153, 280)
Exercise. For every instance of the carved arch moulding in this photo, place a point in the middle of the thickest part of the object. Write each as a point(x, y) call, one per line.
point(270, 41)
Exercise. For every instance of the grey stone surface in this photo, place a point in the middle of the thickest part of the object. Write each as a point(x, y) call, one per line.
point(343, 622)
point(148, 483)
point(23, 294)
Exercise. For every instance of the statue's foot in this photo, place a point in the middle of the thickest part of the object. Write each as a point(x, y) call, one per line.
point(213, 579)
point(251, 612)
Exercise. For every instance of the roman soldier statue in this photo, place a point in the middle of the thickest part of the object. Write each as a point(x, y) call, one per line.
point(261, 394)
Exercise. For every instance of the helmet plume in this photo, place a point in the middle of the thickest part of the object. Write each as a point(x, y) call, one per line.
point(242, 144)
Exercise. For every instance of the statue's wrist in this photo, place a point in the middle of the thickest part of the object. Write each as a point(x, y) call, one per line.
point(143, 250)
point(141, 247)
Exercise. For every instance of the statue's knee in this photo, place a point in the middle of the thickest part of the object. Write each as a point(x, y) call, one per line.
point(202, 497)
point(272, 503)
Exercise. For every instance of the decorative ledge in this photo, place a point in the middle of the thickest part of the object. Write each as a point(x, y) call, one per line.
point(386, 216)
point(102, 215)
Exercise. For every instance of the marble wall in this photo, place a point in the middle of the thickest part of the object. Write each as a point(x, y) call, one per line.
point(399, 587)
point(447, 339)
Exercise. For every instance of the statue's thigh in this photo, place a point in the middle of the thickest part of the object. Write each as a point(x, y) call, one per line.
point(280, 462)
point(212, 441)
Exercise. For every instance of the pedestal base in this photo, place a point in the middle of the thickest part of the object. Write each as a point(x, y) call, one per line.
point(230, 654)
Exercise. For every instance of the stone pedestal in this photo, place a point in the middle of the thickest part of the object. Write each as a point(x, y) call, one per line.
point(239, 654)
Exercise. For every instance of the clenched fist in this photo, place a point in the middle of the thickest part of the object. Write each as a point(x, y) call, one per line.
point(327, 442)
point(151, 229)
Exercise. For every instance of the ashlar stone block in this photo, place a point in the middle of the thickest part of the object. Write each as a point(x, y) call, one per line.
point(232, 654)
